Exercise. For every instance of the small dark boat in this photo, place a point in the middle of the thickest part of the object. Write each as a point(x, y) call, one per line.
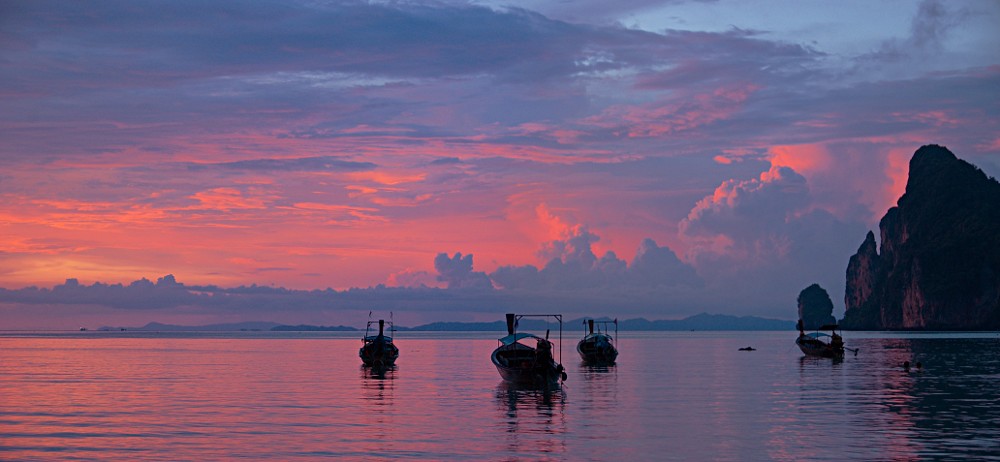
point(378, 350)
point(521, 363)
point(598, 348)
point(820, 343)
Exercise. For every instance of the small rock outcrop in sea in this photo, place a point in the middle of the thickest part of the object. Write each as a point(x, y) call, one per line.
point(939, 265)
point(815, 307)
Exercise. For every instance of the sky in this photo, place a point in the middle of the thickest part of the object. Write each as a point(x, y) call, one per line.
point(307, 162)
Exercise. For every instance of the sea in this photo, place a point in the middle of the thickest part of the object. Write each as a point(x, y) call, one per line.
point(688, 396)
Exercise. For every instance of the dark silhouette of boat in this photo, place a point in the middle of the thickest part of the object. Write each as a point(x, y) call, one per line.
point(527, 360)
point(378, 350)
point(820, 343)
point(598, 348)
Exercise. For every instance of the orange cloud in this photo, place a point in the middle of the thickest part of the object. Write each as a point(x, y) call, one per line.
point(386, 178)
point(402, 201)
point(226, 199)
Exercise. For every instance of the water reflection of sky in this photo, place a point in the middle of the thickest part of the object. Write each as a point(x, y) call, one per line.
point(672, 396)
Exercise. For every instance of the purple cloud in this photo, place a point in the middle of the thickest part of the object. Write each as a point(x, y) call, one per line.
point(457, 272)
point(573, 266)
point(337, 122)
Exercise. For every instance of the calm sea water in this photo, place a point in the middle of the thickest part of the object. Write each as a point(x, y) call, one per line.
point(672, 396)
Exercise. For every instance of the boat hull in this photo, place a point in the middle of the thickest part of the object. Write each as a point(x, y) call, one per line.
point(811, 347)
point(538, 375)
point(597, 349)
point(378, 354)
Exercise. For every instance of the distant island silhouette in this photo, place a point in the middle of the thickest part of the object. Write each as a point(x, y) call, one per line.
point(698, 322)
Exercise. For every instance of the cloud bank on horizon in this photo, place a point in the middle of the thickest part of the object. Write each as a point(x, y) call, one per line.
point(732, 158)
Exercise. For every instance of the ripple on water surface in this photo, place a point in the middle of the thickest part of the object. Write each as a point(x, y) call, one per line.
point(672, 396)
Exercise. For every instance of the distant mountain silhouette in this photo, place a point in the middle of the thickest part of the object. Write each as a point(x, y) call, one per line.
point(939, 266)
point(155, 326)
point(304, 327)
point(705, 321)
point(701, 321)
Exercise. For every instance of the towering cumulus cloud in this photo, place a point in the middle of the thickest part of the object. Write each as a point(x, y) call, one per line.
point(747, 220)
point(457, 272)
point(766, 232)
point(572, 265)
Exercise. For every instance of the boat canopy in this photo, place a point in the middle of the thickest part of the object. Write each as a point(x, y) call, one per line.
point(518, 336)
point(817, 335)
point(371, 338)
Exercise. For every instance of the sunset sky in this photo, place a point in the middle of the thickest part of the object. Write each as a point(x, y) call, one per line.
point(627, 158)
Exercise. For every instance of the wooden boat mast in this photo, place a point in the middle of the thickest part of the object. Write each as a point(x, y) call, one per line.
point(590, 323)
point(512, 320)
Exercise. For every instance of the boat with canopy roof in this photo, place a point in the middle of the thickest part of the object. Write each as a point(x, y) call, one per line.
point(378, 350)
point(822, 344)
point(526, 359)
point(598, 348)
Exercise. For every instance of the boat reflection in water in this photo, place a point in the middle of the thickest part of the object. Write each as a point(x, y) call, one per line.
point(519, 362)
point(516, 398)
point(379, 372)
point(378, 382)
point(598, 348)
point(530, 417)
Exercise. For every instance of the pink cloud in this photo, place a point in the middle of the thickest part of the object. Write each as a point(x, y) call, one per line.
point(843, 174)
point(993, 145)
point(678, 114)
point(555, 226)
point(739, 216)
point(805, 158)
point(930, 118)
point(414, 278)
point(553, 132)
point(226, 199)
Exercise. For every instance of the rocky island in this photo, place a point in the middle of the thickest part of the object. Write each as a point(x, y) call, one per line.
point(939, 264)
point(815, 307)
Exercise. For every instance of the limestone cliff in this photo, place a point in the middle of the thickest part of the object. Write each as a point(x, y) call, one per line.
point(865, 268)
point(939, 266)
